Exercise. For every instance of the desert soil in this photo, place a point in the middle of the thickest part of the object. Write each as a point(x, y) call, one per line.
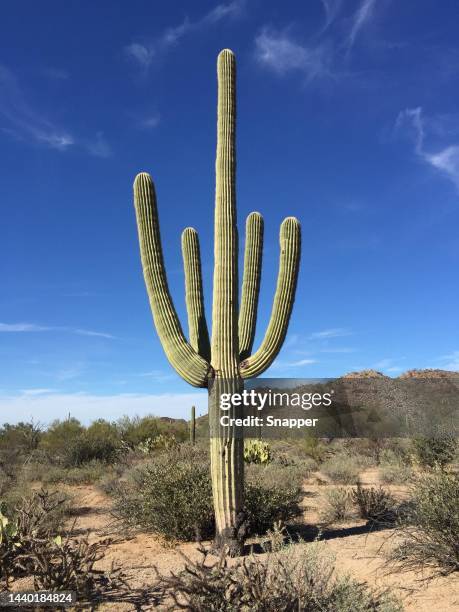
point(360, 553)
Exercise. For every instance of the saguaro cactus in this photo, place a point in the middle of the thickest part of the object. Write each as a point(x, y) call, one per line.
point(228, 357)
point(193, 426)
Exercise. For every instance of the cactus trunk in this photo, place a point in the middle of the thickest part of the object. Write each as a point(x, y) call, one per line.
point(222, 364)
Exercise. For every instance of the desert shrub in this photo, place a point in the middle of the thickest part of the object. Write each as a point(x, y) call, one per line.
point(314, 448)
point(338, 505)
point(285, 581)
point(341, 468)
point(430, 526)
point(87, 473)
point(171, 495)
point(256, 451)
point(265, 506)
point(435, 451)
point(21, 436)
point(375, 505)
point(137, 430)
point(21, 527)
point(59, 437)
point(393, 473)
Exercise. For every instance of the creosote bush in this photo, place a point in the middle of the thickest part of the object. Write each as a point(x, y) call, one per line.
point(435, 451)
point(377, 506)
point(341, 468)
point(430, 525)
point(338, 505)
point(287, 581)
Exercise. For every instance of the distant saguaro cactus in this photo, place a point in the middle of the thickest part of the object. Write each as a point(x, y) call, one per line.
point(193, 425)
point(227, 357)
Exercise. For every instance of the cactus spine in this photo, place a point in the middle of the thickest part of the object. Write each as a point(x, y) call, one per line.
point(227, 357)
point(193, 426)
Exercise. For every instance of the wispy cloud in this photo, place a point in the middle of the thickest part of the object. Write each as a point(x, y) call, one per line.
point(24, 123)
point(450, 361)
point(285, 365)
point(99, 147)
point(89, 332)
point(38, 391)
point(361, 17)
point(140, 54)
point(150, 122)
point(279, 52)
point(143, 54)
point(22, 327)
point(33, 327)
point(331, 8)
point(334, 332)
point(445, 159)
point(157, 375)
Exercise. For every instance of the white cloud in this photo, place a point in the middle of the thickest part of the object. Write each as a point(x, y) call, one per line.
point(33, 327)
point(140, 53)
point(26, 124)
point(22, 327)
point(99, 146)
point(157, 375)
point(45, 407)
point(145, 53)
point(361, 17)
point(89, 332)
point(284, 365)
point(38, 391)
point(446, 159)
point(334, 332)
point(281, 54)
point(451, 361)
point(150, 122)
point(331, 8)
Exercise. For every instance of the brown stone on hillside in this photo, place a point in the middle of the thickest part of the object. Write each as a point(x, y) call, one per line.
point(429, 373)
point(365, 374)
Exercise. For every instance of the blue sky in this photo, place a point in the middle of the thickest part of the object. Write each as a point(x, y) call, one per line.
point(347, 118)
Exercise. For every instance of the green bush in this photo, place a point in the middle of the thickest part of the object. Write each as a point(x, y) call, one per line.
point(24, 437)
point(88, 473)
point(375, 505)
point(137, 430)
point(341, 468)
point(391, 473)
point(171, 496)
point(282, 582)
point(435, 451)
point(59, 437)
point(265, 506)
point(338, 506)
point(430, 525)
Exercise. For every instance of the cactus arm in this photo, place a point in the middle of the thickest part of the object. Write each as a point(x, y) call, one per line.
point(188, 364)
point(225, 345)
point(250, 283)
point(290, 246)
point(197, 326)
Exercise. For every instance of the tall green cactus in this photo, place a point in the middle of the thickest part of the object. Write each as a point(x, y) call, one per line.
point(193, 426)
point(228, 356)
